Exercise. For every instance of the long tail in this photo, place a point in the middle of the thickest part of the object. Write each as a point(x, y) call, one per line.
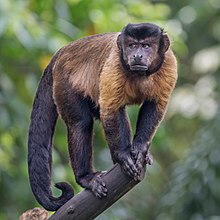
point(43, 120)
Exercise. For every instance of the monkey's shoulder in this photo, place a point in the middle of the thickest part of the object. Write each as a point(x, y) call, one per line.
point(87, 52)
point(92, 42)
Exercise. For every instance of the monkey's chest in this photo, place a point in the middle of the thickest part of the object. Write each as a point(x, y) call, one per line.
point(135, 92)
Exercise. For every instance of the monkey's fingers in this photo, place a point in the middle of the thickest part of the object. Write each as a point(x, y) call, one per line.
point(149, 158)
point(130, 168)
point(134, 154)
point(140, 165)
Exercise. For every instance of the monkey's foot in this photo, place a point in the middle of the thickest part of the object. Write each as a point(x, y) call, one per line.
point(94, 182)
point(97, 185)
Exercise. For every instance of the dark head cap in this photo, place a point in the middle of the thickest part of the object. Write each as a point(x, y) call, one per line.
point(142, 30)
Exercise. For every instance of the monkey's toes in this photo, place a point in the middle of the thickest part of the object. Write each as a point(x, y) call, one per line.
point(98, 186)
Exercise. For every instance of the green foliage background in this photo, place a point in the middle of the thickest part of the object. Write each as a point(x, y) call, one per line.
point(184, 181)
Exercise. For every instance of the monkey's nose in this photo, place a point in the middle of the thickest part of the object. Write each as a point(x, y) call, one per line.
point(137, 57)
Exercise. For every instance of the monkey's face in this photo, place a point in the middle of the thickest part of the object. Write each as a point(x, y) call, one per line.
point(140, 54)
point(142, 49)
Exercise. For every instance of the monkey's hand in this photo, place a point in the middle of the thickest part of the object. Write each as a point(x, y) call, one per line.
point(124, 158)
point(141, 158)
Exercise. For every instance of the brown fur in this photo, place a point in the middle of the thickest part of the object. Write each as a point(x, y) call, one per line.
point(96, 75)
point(83, 69)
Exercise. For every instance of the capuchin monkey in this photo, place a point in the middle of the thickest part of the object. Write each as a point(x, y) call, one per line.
point(95, 78)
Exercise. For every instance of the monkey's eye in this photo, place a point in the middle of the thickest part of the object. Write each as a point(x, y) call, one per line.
point(145, 46)
point(131, 46)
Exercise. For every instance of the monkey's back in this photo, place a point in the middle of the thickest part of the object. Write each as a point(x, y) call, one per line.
point(80, 63)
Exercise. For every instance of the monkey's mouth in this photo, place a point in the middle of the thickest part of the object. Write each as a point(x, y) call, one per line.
point(138, 67)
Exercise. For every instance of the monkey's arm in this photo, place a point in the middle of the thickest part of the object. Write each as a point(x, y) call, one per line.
point(149, 118)
point(118, 134)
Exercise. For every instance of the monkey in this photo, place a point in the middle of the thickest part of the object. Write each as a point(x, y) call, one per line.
point(95, 78)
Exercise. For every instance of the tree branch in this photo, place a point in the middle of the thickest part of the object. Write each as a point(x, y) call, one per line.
point(85, 206)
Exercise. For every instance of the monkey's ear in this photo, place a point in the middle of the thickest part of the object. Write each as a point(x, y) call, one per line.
point(119, 42)
point(165, 43)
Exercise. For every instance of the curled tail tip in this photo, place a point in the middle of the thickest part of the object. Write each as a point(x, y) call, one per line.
point(55, 203)
point(51, 203)
point(66, 188)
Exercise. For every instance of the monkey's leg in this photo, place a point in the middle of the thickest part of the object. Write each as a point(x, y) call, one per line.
point(79, 120)
point(80, 148)
point(118, 134)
